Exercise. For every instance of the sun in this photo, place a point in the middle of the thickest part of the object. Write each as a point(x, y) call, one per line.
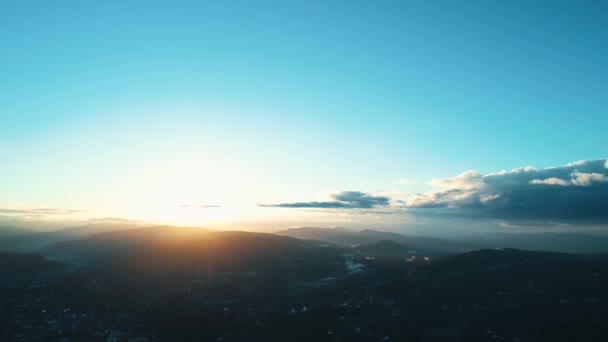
point(185, 193)
point(198, 214)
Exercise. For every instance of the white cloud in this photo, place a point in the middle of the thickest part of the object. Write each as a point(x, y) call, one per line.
point(524, 169)
point(575, 192)
point(576, 163)
point(550, 181)
point(585, 179)
point(488, 198)
point(467, 180)
point(577, 179)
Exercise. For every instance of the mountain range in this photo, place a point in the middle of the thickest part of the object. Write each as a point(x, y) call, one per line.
point(176, 283)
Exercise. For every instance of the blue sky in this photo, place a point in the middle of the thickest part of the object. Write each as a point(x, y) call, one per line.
point(131, 108)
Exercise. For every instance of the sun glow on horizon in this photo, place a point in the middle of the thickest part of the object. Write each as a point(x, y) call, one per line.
point(185, 214)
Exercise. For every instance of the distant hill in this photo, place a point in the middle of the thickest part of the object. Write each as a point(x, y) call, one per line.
point(345, 237)
point(26, 243)
point(167, 255)
point(315, 233)
point(558, 242)
point(147, 233)
point(512, 269)
point(95, 228)
point(224, 250)
point(551, 242)
point(386, 249)
point(8, 231)
point(107, 244)
point(33, 241)
point(485, 260)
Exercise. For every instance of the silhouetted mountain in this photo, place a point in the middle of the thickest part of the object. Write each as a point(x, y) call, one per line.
point(386, 249)
point(112, 244)
point(33, 225)
point(13, 231)
point(344, 237)
point(557, 242)
point(233, 251)
point(488, 260)
point(147, 233)
point(315, 233)
point(27, 243)
point(95, 228)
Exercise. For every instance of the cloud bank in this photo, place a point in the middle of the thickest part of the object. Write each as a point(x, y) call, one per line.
point(37, 211)
point(341, 200)
point(575, 192)
point(571, 194)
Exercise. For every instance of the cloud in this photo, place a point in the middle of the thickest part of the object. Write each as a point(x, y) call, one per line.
point(585, 179)
point(577, 178)
point(341, 200)
point(569, 195)
point(550, 181)
point(466, 180)
point(575, 192)
point(37, 211)
point(23, 212)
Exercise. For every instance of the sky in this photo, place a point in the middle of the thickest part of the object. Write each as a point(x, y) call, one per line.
point(385, 113)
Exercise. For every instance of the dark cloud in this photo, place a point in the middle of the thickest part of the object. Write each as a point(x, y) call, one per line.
point(342, 200)
point(574, 192)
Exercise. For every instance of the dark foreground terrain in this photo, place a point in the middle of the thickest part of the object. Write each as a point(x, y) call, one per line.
point(168, 284)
